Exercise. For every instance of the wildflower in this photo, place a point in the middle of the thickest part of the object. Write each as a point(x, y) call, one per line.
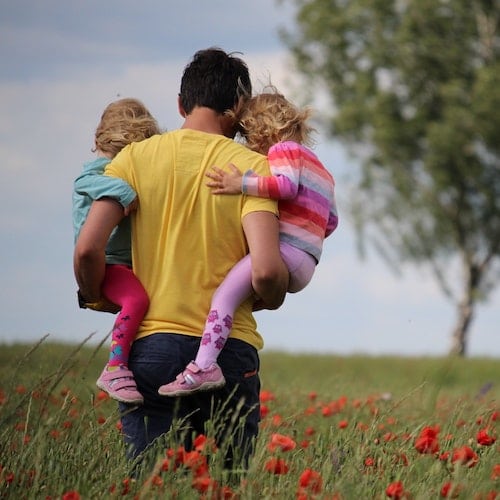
point(156, 480)
point(195, 461)
point(449, 490)
point(277, 420)
point(226, 493)
point(264, 411)
point(54, 434)
point(465, 455)
point(203, 484)
point(312, 396)
point(395, 490)
point(279, 441)
point(202, 443)
point(276, 466)
point(343, 424)
point(102, 396)
point(266, 396)
point(495, 473)
point(311, 480)
point(389, 436)
point(71, 495)
point(427, 441)
point(485, 439)
point(20, 389)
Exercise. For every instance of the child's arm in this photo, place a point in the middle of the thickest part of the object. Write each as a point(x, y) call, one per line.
point(283, 184)
point(103, 186)
point(333, 218)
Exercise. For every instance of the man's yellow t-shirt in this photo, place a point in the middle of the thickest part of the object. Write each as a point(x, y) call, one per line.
point(184, 238)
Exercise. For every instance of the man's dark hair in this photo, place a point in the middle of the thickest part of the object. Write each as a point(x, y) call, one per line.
point(214, 79)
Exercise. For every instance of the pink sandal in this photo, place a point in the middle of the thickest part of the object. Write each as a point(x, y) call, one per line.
point(120, 385)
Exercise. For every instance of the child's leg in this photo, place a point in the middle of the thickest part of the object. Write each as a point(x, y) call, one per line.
point(236, 287)
point(300, 264)
point(122, 287)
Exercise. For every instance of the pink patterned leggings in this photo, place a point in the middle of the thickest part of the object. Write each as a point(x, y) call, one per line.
point(236, 287)
point(122, 287)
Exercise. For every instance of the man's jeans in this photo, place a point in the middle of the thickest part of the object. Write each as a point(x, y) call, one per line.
point(157, 359)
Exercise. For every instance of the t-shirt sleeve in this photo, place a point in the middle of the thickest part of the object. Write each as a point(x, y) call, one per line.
point(97, 187)
point(254, 203)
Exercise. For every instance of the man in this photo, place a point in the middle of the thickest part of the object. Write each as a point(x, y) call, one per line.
point(184, 241)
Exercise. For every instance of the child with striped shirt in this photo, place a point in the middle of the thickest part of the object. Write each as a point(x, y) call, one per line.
point(271, 125)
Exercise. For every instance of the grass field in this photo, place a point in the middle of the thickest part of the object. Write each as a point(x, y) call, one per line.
point(332, 428)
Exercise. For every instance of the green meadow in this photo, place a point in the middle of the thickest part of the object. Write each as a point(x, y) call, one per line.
point(332, 427)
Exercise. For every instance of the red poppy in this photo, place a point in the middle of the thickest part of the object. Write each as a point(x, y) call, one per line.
point(449, 490)
point(395, 490)
point(266, 396)
point(204, 484)
point(71, 495)
point(485, 439)
point(276, 466)
point(495, 473)
point(264, 411)
point(465, 455)
point(202, 443)
point(427, 441)
point(343, 424)
point(312, 396)
point(311, 480)
point(102, 396)
point(281, 442)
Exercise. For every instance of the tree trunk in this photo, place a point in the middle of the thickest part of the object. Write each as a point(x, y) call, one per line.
point(465, 309)
point(465, 312)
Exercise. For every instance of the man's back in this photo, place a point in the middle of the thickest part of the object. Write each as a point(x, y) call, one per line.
point(185, 239)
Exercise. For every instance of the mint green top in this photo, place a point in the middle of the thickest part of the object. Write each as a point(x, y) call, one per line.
point(93, 185)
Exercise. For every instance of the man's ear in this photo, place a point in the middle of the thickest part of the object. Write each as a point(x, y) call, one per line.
point(180, 107)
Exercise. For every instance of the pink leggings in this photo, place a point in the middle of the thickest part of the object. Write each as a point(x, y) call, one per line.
point(236, 287)
point(122, 287)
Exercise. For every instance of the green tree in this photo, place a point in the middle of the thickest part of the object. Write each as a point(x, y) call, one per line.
point(415, 94)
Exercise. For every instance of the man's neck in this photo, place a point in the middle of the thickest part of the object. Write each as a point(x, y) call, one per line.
point(209, 121)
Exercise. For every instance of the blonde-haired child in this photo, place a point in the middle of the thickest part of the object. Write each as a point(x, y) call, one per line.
point(122, 122)
point(271, 125)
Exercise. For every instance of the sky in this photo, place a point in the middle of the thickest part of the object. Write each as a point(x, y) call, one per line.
point(62, 62)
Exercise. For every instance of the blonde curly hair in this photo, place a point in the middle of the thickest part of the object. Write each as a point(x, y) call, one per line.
point(268, 118)
point(122, 122)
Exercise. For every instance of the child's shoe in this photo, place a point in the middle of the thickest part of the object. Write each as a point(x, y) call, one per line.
point(194, 379)
point(120, 385)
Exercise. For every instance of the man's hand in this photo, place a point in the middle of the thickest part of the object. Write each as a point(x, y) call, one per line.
point(104, 305)
point(225, 182)
point(133, 206)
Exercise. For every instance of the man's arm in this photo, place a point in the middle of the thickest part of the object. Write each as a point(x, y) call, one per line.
point(269, 273)
point(89, 255)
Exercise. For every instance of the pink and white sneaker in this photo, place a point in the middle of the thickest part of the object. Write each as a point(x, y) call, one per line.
point(194, 379)
point(120, 385)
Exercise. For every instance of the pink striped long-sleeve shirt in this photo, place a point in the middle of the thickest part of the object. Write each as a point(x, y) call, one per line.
point(306, 194)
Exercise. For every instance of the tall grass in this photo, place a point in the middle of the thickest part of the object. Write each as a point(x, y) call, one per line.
point(332, 427)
